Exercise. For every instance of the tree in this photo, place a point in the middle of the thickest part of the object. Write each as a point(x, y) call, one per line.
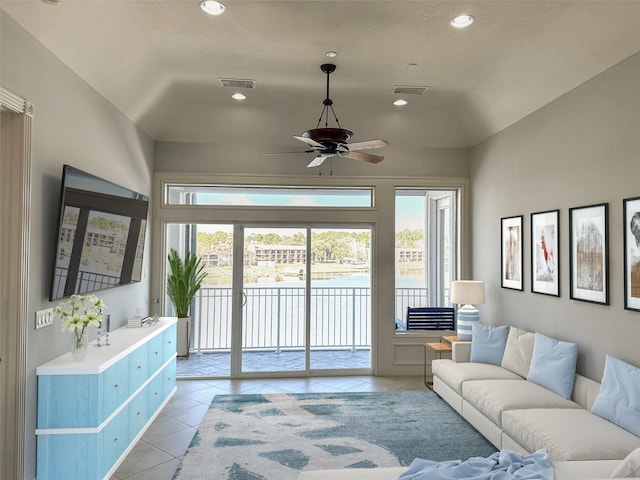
point(206, 239)
point(409, 238)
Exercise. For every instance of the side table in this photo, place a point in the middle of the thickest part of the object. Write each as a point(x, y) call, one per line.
point(438, 348)
point(444, 345)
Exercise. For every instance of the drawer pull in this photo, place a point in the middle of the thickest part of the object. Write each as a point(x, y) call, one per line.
point(169, 342)
point(116, 386)
point(155, 393)
point(139, 366)
point(156, 353)
point(115, 439)
point(139, 413)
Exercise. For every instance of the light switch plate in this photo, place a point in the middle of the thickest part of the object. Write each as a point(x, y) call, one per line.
point(44, 318)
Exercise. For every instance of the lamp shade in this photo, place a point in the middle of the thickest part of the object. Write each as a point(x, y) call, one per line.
point(467, 292)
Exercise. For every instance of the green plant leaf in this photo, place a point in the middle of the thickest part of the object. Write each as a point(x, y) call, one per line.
point(184, 281)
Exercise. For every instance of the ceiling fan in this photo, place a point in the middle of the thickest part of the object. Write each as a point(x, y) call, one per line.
point(326, 141)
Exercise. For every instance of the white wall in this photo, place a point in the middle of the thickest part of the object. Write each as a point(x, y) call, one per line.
point(71, 124)
point(246, 159)
point(581, 149)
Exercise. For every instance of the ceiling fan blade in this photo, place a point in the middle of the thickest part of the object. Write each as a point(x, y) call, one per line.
point(316, 162)
point(309, 141)
point(365, 157)
point(367, 144)
point(284, 153)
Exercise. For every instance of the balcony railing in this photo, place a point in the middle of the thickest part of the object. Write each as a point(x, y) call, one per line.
point(274, 317)
point(86, 281)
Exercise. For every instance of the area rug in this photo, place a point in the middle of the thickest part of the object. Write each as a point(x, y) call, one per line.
point(274, 437)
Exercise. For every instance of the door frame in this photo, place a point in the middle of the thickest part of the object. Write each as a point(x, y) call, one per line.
point(237, 285)
point(15, 183)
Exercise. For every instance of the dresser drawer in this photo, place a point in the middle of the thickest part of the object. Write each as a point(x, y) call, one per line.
point(113, 441)
point(138, 367)
point(169, 342)
point(156, 353)
point(169, 378)
point(115, 387)
point(139, 413)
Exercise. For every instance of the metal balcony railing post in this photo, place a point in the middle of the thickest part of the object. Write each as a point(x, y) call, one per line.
point(199, 349)
point(353, 319)
point(278, 324)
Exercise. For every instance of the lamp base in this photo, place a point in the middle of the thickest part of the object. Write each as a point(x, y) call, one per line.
point(467, 316)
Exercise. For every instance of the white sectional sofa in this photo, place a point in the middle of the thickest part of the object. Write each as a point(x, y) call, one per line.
point(517, 414)
point(520, 390)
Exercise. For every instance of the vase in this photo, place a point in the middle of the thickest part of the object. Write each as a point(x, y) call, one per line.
point(79, 347)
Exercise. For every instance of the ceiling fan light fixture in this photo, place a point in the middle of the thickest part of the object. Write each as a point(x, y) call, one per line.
point(461, 21)
point(331, 54)
point(328, 134)
point(401, 102)
point(212, 7)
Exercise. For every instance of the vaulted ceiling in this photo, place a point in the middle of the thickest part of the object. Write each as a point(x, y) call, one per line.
point(160, 61)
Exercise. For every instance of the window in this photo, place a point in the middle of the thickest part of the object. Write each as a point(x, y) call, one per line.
point(265, 196)
point(425, 248)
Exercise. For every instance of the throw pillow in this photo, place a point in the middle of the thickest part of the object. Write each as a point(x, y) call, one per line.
point(617, 400)
point(630, 467)
point(553, 365)
point(518, 351)
point(487, 343)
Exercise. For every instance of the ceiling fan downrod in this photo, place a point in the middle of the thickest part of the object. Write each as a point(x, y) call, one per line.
point(327, 103)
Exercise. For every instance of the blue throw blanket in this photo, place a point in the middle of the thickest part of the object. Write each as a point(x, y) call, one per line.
point(503, 465)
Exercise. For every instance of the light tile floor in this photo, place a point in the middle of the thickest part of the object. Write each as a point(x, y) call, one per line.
point(159, 452)
point(218, 364)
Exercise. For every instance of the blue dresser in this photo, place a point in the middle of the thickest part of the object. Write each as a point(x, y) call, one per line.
point(91, 413)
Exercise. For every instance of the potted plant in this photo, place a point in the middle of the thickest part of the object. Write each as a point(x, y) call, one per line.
point(184, 281)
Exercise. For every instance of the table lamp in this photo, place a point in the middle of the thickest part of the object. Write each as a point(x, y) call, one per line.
point(467, 293)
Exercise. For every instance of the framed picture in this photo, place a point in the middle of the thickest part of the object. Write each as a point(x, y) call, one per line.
point(631, 215)
point(589, 253)
point(512, 248)
point(545, 260)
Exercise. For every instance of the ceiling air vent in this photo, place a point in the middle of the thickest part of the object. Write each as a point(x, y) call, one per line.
point(409, 90)
point(237, 82)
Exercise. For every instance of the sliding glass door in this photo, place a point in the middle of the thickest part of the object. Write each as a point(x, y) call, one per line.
point(274, 295)
point(277, 299)
point(340, 313)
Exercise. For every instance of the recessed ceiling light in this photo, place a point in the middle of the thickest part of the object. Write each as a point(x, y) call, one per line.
point(331, 54)
point(400, 102)
point(239, 96)
point(52, 2)
point(461, 21)
point(212, 7)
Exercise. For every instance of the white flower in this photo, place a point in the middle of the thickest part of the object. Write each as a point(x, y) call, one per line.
point(78, 313)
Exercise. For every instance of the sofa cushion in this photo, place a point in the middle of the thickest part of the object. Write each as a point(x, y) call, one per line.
point(630, 467)
point(619, 398)
point(553, 365)
point(487, 344)
point(492, 397)
point(568, 434)
point(518, 351)
point(584, 470)
point(454, 374)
